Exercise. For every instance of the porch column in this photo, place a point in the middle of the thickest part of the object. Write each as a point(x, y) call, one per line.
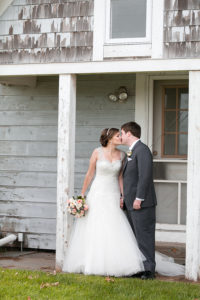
point(65, 161)
point(193, 179)
point(141, 106)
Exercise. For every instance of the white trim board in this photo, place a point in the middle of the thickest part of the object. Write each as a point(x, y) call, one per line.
point(157, 28)
point(99, 29)
point(136, 66)
point(127, 50)
point(4, 5)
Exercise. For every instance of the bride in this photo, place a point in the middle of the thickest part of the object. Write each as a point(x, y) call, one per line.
point(102, 242)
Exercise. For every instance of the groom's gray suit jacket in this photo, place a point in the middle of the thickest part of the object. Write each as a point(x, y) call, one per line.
point(138, 177)
point(138, 183)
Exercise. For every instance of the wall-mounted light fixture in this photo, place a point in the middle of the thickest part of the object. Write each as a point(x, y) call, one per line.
point(120, 95)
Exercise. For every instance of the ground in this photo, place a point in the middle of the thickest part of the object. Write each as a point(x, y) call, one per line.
point(38, 280)
point(45, 260)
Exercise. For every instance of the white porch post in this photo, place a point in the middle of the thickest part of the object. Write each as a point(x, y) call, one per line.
point(66, 156)
point(193, 179)
point(142, 106)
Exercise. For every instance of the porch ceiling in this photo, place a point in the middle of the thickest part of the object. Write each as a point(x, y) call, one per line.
point(136, 66)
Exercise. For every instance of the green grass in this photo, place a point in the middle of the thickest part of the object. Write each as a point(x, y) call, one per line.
point(17, 284)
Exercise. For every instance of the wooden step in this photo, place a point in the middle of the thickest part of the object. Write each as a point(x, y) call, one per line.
point(175, 250)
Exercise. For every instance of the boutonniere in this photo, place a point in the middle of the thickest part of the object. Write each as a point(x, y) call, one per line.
point(129, 153)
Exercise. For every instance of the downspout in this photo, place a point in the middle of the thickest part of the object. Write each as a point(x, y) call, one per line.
point(8, 239)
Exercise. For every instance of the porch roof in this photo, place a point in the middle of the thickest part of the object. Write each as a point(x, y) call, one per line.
point(134, 66)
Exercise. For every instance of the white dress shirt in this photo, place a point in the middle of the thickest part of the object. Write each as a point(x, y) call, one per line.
point(133, 145)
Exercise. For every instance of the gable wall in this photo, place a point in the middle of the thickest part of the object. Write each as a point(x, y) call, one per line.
point(182, 28)
point(39, 31)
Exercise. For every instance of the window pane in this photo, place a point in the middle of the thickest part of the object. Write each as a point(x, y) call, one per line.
point(182, 144)
point(183, 121)
point(170, 98)
point(183, 203)
point(169, 144)
point(128, 18)
point(170, 121)
point(166, 210)
point(183, 98)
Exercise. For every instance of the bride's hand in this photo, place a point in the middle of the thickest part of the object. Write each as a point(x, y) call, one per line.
point(121, 202)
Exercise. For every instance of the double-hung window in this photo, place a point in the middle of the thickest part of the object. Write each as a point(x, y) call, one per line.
point(128, 21)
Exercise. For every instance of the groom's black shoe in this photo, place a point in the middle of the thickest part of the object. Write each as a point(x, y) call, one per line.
point(148, 275)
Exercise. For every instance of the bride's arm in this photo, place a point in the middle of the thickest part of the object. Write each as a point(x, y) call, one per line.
point(121, 189)
point(121, 181)
point(90, 173)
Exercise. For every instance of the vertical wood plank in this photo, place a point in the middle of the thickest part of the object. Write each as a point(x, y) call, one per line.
point(179, 204)
point(99, 29)
point(141, 105)
point(193, 176)
point(157, 28)
point(66, 157)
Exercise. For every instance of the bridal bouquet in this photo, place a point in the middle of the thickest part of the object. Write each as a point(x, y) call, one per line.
point(77, 206)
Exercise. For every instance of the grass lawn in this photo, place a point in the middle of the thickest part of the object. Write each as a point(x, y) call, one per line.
point(29, 285)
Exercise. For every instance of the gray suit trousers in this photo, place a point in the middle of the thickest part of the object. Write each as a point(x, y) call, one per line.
point(143, 224)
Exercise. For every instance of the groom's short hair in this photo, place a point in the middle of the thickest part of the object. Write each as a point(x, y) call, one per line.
point(133, 127)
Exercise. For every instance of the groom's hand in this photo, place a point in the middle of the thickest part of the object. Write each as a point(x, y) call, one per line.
point(137, 204)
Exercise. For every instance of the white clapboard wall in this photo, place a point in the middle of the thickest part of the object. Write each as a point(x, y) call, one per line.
point(28, 147)
point(95, 112)
point(28, 142)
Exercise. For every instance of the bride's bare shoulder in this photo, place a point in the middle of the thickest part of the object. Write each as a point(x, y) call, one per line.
point(95, 153)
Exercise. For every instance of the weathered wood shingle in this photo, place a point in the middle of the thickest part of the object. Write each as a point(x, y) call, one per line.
point(34, 31)
point(182, 28)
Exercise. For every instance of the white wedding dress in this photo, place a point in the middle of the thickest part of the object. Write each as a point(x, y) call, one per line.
point(102, 242)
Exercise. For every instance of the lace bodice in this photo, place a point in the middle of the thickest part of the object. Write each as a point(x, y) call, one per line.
point(104, 167)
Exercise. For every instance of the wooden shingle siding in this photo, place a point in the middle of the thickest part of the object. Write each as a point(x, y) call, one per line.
point(46, 31)
point(182, 28)
point(28, 161)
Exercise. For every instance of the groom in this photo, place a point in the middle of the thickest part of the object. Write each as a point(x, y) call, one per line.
point(139, 197)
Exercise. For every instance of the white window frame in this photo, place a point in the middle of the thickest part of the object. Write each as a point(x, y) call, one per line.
point(146, 39)
point(103, 50)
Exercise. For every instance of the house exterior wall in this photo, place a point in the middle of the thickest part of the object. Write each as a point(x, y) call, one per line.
point(44, 31)
point(34, 31)
point(28, 146)
point(94, 111)
point(28, 143)
point(181, 29)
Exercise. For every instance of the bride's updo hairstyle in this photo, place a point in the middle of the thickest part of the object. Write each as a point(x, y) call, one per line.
point(106, 135)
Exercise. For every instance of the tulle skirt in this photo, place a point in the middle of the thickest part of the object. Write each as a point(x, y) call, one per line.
point(102, 242)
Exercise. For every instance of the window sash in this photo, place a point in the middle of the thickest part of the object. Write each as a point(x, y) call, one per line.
point(138, 40)
point(176, 135)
